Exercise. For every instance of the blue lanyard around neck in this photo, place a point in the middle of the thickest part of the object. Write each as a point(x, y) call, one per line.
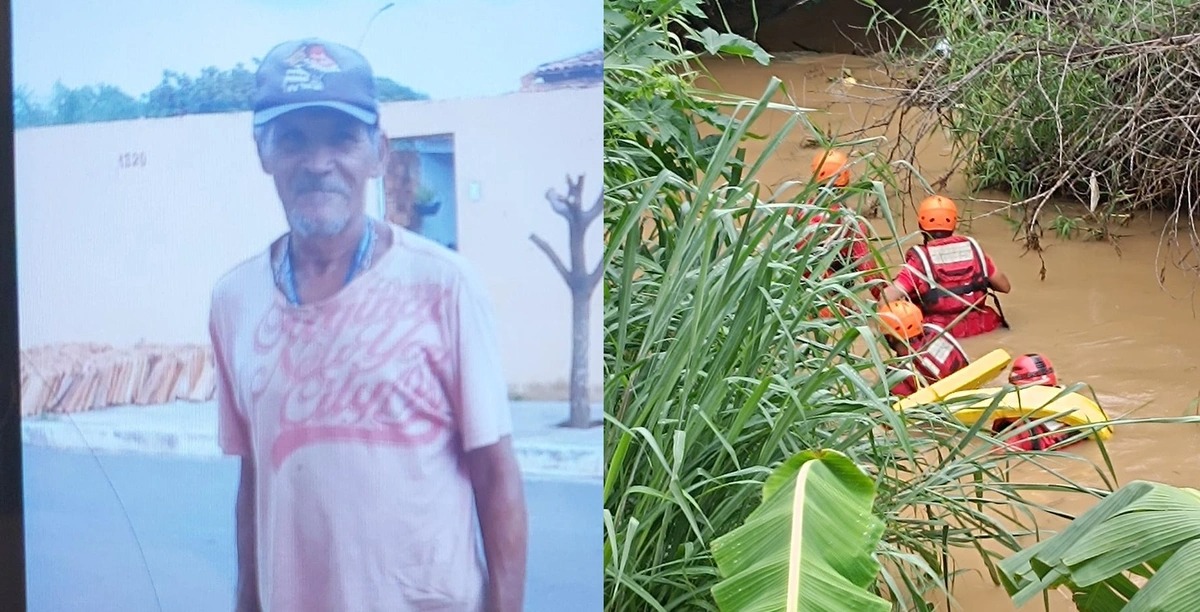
point(288, 272)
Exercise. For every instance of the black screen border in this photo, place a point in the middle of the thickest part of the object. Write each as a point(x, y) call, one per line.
point(12, 517)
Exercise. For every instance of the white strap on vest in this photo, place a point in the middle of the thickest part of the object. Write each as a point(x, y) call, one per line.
point(938, 351)
point(950, 253)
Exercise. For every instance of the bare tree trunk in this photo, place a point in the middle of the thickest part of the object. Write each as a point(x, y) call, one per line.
point(582, 283)
point(581, 410)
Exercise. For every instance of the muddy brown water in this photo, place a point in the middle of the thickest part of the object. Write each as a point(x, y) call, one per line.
point(1103, 318)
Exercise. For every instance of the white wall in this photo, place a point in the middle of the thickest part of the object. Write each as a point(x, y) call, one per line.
point(124, 254)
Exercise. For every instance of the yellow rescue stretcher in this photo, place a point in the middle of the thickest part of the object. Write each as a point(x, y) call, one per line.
point(1033, 402)
point(973, 376)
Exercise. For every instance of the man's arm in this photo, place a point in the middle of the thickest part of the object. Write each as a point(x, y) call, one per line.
point(247, 579)
point(999, 282)
point(907, 282)
point(500, 502)
point(996, 279)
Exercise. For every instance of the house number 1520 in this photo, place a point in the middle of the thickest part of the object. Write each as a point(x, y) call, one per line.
point(131, 160)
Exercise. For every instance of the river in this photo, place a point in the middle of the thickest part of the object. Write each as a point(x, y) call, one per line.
point(1103, 318)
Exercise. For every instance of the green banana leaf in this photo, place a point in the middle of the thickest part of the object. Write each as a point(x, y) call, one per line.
point(809, 546)
point(1143, 529)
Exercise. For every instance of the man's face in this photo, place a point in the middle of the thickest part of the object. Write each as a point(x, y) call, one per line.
point(321, 160)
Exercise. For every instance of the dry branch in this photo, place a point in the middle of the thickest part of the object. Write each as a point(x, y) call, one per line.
point(1093, 101)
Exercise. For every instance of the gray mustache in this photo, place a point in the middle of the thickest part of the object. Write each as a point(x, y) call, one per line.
point(310, 184)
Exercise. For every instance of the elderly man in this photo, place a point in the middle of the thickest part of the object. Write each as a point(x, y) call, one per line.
point(359, 379)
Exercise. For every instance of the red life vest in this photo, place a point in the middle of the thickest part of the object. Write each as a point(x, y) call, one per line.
point(937, 354)
point(956, 271)
point(855, 254)
point(1037, 438)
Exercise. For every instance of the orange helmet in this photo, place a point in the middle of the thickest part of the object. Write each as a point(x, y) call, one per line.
point(937, 213)
point(901, 319)
point(826, 164)
point(1032, 369)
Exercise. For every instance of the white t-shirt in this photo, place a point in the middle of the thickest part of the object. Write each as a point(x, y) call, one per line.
point(357, 411)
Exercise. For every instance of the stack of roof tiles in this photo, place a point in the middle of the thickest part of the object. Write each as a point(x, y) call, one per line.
point(68, 378)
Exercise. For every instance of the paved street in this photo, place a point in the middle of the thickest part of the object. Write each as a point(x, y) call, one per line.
point(83, 554)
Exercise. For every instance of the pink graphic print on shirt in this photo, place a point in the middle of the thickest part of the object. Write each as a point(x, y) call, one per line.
point(368, 370)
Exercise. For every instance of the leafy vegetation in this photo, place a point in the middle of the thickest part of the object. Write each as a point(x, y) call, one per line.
point(810, 542)
point(720, 366)
point(1090, 101)
point(1144, 532)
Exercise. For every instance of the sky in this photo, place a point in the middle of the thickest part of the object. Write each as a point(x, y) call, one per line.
point(428, 45)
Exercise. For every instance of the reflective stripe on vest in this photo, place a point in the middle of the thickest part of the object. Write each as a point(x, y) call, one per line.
point(945, 291)
point(939, 356)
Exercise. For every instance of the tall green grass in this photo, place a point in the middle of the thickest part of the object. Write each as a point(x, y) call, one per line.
point(718, 366)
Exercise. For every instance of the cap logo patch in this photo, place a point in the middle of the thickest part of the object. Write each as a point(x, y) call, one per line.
point(307, 68)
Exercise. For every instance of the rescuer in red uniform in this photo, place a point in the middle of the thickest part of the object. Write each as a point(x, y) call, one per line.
point(851, 230)
point(1034, 369)
point(937, 354)
point(949, 276)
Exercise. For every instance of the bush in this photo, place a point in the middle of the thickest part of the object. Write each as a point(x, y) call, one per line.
point(1088, 100)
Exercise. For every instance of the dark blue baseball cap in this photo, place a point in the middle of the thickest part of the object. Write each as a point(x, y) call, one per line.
point(313, 72)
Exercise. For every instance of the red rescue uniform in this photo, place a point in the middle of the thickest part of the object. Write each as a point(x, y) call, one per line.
point(1037, 438)
point(856, 254)
point(938, 355)
point(946, 277)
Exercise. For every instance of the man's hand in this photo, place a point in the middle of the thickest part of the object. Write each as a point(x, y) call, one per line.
point(500, 501)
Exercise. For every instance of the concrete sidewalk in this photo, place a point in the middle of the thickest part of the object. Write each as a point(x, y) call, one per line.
point(184, 429)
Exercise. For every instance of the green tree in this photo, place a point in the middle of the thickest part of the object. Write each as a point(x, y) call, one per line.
point(388, 90)
point(743, 17)
point(27, 111)
point(92, 103)
point(222, 91)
